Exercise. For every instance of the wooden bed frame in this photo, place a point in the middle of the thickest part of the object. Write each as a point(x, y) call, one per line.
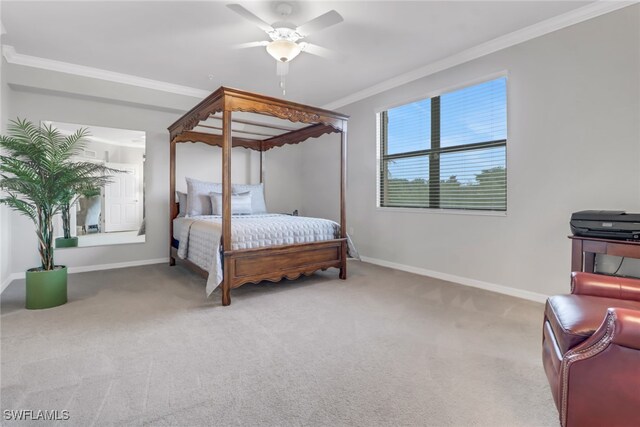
point(271, 263)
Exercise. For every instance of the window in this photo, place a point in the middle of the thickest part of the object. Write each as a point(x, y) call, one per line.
point(446, 152)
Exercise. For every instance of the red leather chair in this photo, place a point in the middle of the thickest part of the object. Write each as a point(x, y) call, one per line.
point(591, 351)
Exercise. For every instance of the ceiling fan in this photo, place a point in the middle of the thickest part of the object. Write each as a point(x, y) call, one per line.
point(285, 43)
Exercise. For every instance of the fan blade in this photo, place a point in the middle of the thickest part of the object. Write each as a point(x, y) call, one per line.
point(262, 43)
point(320, 23)
point(316, 50)
point(240, 10)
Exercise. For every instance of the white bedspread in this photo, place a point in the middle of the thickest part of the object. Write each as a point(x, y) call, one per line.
point(178, 225)
point(200, 237)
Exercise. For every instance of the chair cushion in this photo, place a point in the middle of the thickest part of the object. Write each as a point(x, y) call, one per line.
point(574, 318)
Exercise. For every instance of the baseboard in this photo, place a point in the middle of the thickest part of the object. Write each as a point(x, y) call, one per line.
point(506, 290)
point(98, 267)
point(87, 268)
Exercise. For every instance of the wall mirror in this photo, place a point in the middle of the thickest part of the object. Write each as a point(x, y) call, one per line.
point(116, 213)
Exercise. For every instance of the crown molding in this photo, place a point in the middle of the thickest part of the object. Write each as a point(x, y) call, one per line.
point(16, 58)
point(590, 11)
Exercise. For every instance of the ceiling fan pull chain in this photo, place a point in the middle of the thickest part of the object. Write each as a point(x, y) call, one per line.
point(282, 68)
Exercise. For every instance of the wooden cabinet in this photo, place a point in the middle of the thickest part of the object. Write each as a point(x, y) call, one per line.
point(584, 250)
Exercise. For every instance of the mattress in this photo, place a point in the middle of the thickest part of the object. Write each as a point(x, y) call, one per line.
point(199, 237)
point(262, 230)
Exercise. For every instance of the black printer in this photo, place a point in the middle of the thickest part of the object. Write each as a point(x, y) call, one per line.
point(606, 224)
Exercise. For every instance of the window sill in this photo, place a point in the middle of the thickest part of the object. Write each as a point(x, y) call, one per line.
point(443, 211)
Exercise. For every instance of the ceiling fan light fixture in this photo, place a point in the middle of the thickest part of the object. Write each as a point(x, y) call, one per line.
point(283, 50)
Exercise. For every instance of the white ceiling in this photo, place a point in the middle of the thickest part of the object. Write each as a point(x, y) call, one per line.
point(185, 42)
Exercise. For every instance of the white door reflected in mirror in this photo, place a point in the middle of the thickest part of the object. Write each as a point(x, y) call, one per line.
point(114, 214)
point(123, 210)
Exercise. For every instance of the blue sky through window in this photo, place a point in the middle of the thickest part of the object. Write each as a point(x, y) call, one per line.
point(409, 127)
point(473, 114)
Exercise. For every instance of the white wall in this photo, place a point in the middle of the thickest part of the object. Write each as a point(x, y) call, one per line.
point(573, 144)
point(5, 228)
point(204, 162)
point(321, 179)
point(574, 133)
point(44, 106)
point(283, 174)
point(116, 153)
point(199, 160)
point(282, 169)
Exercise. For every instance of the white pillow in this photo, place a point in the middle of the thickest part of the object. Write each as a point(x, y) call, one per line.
point(258, 205)
point(198, 200)
point(240, 203)
point(182, 202)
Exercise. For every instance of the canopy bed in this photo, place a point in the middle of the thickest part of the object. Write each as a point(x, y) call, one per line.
point(220, 120)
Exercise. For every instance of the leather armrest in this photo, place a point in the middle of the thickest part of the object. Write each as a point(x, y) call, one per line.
point(620, 326)
point(600, 285)
point(602, 373)
point(626, 328)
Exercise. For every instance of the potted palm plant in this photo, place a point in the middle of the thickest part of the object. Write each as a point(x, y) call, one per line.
point(37, 173)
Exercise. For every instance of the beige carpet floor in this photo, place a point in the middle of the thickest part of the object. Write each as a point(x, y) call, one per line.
point(143, 346)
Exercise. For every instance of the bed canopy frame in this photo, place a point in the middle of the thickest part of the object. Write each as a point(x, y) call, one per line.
point(211, 122)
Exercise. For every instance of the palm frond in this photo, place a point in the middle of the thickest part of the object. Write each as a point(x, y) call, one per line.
point(20, 206)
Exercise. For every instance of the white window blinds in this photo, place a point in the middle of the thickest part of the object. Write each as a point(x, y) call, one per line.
point(448, 151)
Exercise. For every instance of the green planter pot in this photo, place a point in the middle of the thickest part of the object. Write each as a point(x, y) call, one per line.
point(46, 289)
point(71, 242)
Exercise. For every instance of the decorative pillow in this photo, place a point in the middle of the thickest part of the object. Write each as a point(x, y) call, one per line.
point(198, 200)
point(182, 202)
point(240, 203)
point(258, 205)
